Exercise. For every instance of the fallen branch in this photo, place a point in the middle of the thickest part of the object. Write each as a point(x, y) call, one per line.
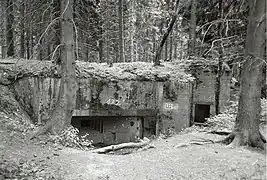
point(196, 142)
point(103, 150)
point(223, 133)
point(5, 62)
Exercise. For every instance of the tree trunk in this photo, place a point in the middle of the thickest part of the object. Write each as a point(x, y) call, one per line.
point(28, 35)
point(9, 28)
point(3, 28)
point(136, 51)
point(121, 42)
point(56, 34)
point(165, 36)
point(62, 113)
point(31, 42)
point(100, 50)
point(219, 69)
point(166, 42)
point(246, 130)
point(264, 71)
point(101, 40)
point(171, 42)
point(192, 34)
point(132, 30)
point(264, 83)
point(22, 30)
point(166, 50)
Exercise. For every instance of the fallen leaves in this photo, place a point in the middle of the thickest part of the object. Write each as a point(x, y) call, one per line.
point(30, 170)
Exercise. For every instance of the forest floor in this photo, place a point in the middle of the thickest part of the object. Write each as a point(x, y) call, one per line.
point(165, 161)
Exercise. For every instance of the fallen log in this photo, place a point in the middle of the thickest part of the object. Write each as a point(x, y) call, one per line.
point(103, 150)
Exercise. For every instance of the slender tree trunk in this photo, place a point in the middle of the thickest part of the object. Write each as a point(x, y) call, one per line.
point(28, 44)
point(167, 39)
point(219, 69)
point(165, 36)
point(192, 34)
point(27, 31)
point(3, 28)
point(108, 44)
point(31, 42)
point(166, 50)
point(100, 50)
point(264, 83)
point(171, 42)
point(9, 29)
point(246, 130)
point(56, 34)
point(264, 70)
point(132, 30)
point(136, 51)
point(175, 50)
point(22, 30)
point(121, 41)
point(177, 39)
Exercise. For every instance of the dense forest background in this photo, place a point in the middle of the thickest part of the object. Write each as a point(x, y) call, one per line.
point(126, 31)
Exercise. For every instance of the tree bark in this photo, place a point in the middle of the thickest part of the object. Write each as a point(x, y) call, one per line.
point(22, 30)
point(220, 62)
point(3, 28)
point(264, 83)
point(56, 34)
point(132, 30)
point(165, 36)
point(192, 34)
point(27, 44)
point(171, 43)
point(62, 114)
point(246, 130)
point(9, 29)
point(121, 41)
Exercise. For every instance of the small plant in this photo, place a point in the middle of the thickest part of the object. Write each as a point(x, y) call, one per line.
point(70, 138)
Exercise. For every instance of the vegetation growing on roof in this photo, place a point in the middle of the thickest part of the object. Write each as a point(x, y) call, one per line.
point(12, 69)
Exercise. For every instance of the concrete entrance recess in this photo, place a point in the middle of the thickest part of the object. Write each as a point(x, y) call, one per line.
point(202, 111)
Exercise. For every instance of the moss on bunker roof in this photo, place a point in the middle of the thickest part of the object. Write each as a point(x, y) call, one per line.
point(139, 71)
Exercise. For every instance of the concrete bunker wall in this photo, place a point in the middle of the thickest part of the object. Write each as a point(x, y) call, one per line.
point(204, 91)
point(125, 110)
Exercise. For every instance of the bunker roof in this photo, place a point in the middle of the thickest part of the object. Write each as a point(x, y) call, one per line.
point(11, 69)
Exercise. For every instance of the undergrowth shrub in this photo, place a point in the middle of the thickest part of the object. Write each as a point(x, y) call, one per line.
point(70, 138)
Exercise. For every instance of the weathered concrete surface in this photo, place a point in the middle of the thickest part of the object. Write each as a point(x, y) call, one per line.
point(204, 91)
point(126, 109)
point(176, 103)
point(37, 95)
point(97, 95)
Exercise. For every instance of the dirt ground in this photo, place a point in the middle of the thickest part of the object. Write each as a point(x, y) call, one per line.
point(166, 161)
